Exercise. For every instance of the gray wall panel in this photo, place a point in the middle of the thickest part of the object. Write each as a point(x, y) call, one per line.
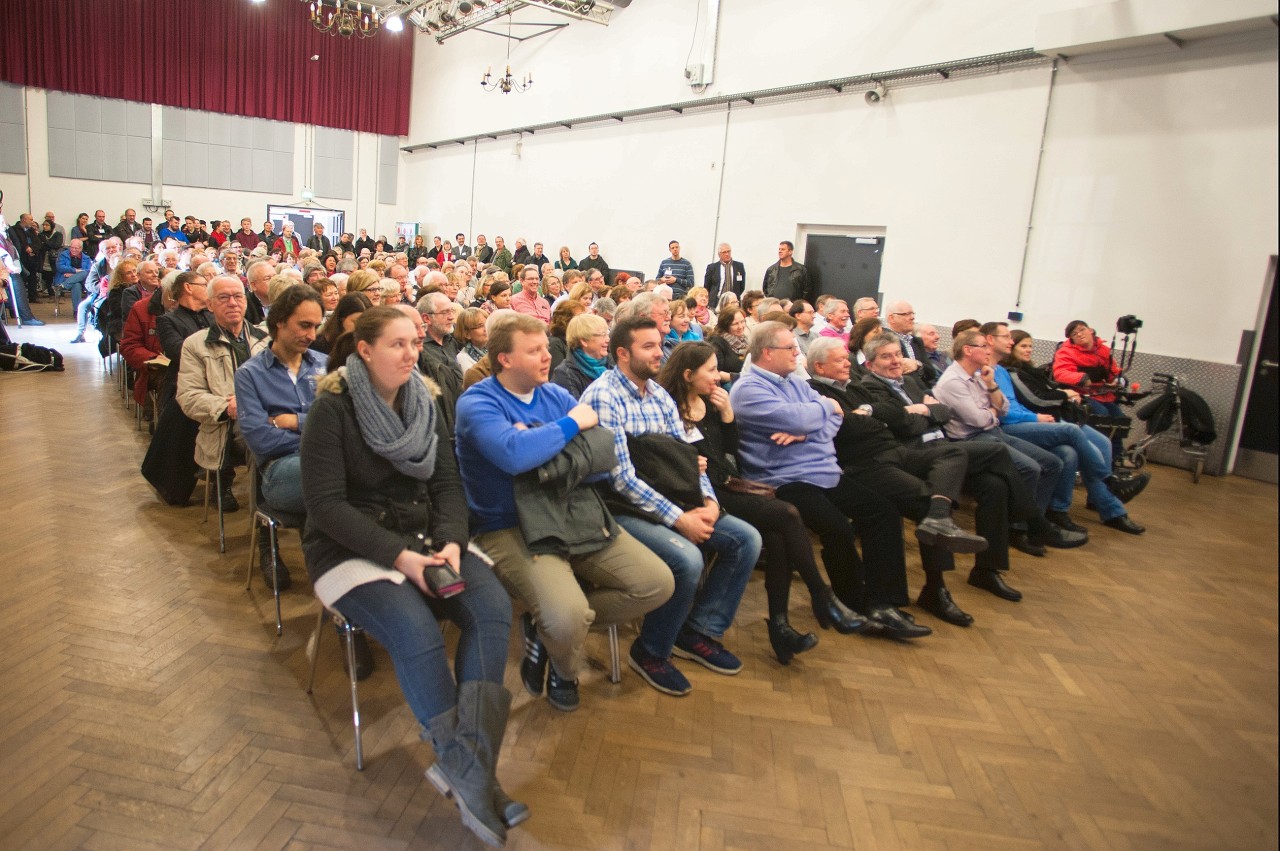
point(88, 114)
point(88, 156)
point(62, 153)
point(61, 110)
point(98, 138)
point(113, 119)
point(388, 169)
point(113, 157)
point(13, 130)
point(213, 151)
point(219, 167)
point(139, 156)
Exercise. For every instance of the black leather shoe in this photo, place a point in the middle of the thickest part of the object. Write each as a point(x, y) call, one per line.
point(894, 625)
point(1060, 539)
point(281, 574)
point(943, 533)
point(993, 581)
point(1063, 520)
point(230, 504)
point(1124, 524)
point(533, 669)
point(936, 600)
point(1126, 488)
point(830, 612)
point(1020, 542)
point(786, 642)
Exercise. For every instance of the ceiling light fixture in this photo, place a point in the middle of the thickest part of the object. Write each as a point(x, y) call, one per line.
point(344, 17)
point(506, 83)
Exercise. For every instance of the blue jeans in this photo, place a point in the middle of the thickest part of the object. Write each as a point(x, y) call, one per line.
point(90, 302)
point(75, 283)
point(1108, 409)
point(282, 484)
point(406, 622)
point(18, 299)
point(1040, 468)
point(1082, 448)
point(709, 609)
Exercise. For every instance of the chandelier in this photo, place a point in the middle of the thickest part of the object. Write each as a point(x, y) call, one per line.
point(506, 83)
point(344, 17)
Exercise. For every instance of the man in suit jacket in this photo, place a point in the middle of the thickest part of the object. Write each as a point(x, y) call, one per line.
point(916, 361)
point(903, 403)
point(726, 275)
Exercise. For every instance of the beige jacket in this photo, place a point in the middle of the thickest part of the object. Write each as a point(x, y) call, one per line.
point(205, 381)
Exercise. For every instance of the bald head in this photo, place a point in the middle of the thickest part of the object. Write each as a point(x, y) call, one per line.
point(902, 317)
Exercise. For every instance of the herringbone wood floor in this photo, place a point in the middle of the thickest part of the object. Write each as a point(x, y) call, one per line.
point(1129, 702)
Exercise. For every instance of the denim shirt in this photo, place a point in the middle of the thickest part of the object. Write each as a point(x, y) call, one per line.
point(265, 388)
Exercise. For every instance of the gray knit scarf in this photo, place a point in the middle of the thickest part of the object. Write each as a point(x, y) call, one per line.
point(407, 440)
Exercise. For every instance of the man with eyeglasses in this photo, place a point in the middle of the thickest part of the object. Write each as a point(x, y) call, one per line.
point(274, 390)
point(970, 390)
point(206, 379)
point(439, 357)
point(902, 322)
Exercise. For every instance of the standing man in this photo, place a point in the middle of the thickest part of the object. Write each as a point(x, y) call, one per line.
point(503, 259)
point(267, 234)
point(460, 249)
point(787, 280)
point(509, 426)
point(522, 252)
point(97, 231)
point(345, 244)
point(25, 238)
point(206, 380)
point(128, 225)
point(593, 260)
point(537, 258)
point(247, 239)
point(274, 391)
point(690, 625)
point(726, 275)
point(57, 228)
point(318, 241)
point(149, 235)
point(171, 229)
point(365, 241)
point(676, 272)
point(484, 251)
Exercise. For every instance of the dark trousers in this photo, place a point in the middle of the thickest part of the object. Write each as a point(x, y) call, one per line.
point(839, 516)
point(890, 475)
point(786, 545)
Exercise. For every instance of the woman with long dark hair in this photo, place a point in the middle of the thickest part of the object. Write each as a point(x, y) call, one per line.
point(386, 545)
point(730, 342)
point(692, 376)
point(342, 320)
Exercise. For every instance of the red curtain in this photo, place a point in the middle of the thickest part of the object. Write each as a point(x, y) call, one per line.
point(231, 56)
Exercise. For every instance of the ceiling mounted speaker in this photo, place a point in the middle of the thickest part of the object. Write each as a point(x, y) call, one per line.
point(874, 96)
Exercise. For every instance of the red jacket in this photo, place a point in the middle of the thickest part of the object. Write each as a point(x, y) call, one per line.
point(281, 247)
point(140, 344)
point(1070, 363)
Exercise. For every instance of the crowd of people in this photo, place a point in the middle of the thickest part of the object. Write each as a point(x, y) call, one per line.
point(464, 426)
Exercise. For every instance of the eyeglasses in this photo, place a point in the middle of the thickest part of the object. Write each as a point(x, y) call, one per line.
point(226, 298)
point(908, 313)
point(977, 346)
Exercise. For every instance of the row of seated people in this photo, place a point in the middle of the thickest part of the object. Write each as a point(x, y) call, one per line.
point(368, 455)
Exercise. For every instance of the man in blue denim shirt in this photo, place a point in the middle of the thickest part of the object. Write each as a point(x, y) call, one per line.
point(274, 391)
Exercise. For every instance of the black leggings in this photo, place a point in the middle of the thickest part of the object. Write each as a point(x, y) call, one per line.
point(786, 545)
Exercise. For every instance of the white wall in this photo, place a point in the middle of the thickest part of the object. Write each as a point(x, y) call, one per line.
point(1157, 192)
point(1158, 197)
point(67, 197)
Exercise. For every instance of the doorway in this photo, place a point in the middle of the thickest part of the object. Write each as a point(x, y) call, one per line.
point(845, 265)
point(1259, 448)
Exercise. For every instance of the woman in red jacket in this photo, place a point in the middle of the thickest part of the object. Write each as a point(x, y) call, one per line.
point(1084, 363)
point(139, 342)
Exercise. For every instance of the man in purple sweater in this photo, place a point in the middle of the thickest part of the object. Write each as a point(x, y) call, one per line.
point(514, 422)
point(786, 434)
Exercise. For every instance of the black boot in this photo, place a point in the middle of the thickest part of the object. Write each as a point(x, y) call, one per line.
point(282, 572)
point(936, 600)
point(830, 612)
point(786, 641)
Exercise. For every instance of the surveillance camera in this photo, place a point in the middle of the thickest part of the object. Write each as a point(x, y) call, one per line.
point(874, 96)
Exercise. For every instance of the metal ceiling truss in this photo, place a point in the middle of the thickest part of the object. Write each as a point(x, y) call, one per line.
point(903, 77)
point(444, 19)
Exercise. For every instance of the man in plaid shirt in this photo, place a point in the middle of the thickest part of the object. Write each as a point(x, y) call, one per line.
point(628, 400)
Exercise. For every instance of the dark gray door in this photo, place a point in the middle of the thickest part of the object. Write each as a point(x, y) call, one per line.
point(848, 267)
point(1260, 436)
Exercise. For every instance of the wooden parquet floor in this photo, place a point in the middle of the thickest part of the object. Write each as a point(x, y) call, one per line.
point(1129, 702)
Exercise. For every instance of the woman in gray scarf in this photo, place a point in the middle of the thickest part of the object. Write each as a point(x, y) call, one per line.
point(385, 508)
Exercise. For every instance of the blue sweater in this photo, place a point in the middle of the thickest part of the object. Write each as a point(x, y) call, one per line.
point(492, 451)
point(1018, 412)
point(764, 404)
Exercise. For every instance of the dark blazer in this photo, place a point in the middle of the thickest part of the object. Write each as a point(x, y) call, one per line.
point(888, 407)
point(319, 243)
point(173, 328)
point(711, 279)
point(929, 372)
point(571, 377)
point(358, 505)
point(860, 438)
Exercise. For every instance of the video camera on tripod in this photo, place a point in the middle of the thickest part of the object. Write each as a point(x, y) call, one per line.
point(1127, 327)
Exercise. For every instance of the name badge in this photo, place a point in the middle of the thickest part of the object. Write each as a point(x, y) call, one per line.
point(692, 435)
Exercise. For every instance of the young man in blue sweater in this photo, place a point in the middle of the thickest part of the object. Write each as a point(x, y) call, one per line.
point(513, 422)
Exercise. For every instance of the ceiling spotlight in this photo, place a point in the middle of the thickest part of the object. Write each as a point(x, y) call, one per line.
point(874, 96)
point(464, 8)
point(446, 17)
point(394, 24)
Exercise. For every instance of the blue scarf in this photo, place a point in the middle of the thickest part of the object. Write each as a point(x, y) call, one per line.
point(592, 367)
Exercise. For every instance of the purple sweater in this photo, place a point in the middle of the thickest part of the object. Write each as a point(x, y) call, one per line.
point(764, 404)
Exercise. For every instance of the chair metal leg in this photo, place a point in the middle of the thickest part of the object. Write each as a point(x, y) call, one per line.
point(253, 547)
point(222, 523)
point(615, 667)
point(275, 574)
point(208, 474)
point(348, 633)
point(315, 648)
